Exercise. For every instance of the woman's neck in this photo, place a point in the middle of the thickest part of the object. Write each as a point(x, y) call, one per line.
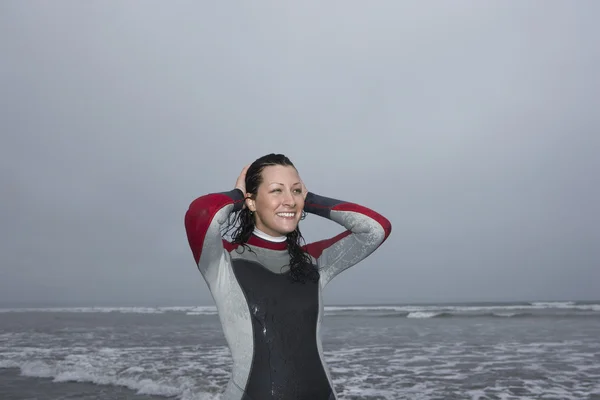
point(265, 236)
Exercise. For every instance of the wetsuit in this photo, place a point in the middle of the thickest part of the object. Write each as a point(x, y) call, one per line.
point(272, 324)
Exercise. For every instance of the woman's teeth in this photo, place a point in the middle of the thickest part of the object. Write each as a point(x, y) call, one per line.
point(287, 215)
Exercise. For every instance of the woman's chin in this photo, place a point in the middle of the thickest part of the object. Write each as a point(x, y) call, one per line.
point(286, 228)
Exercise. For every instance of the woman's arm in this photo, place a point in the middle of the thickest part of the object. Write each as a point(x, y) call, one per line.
point(365, 231)
point(203, 221)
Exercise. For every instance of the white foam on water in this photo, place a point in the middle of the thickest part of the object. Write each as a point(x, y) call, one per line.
point(204, 312)
point(140, 369)
point(37, 369)
point(329, 310)
point(365, 392)
point(414, 360)
point(372, 371)
point(422, 314)
point(477, 394)
point(551, 369)
point(125, 310)
point(192, 310)
point(204, 309)
point(141, 386)
point(554, 304)
point(188, 395)
point(506, 314)
point(9, 364)
point(499, 310)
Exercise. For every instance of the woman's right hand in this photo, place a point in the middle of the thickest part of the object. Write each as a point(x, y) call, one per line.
point(241, 180)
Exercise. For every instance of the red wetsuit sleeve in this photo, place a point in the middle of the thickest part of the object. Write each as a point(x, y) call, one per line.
point(365, 231)
point(204, 219)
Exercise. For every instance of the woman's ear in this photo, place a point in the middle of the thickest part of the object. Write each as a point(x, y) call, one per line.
point(250, 204)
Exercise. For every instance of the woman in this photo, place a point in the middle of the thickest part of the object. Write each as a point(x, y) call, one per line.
point(266, 286)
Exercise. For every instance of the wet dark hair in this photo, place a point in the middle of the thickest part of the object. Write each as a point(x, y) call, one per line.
point(241, 223)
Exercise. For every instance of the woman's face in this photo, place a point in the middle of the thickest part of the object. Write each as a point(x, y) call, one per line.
point(279, 200)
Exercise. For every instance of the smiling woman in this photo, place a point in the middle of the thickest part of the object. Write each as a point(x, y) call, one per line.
point(269, 298)
point(280, 202)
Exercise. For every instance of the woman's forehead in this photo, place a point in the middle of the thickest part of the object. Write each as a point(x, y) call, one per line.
point(285, 175)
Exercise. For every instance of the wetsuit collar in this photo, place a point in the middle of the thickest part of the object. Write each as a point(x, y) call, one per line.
point(268, 237)
point(261, 239)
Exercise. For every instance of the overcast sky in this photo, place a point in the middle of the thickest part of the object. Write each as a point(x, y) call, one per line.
point(473, 126)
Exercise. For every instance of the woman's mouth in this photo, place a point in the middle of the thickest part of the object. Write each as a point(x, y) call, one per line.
point(287, 215)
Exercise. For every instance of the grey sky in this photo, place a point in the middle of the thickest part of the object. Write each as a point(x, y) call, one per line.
point(473, 126)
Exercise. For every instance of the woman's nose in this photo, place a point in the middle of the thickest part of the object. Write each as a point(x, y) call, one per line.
point(289, 199)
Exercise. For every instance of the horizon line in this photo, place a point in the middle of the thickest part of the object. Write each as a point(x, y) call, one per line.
point(332, 304)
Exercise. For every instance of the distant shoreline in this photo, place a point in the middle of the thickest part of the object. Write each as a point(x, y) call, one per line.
point(365, 304)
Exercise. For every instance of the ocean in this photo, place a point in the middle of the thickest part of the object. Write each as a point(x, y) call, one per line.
point(537, 350)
